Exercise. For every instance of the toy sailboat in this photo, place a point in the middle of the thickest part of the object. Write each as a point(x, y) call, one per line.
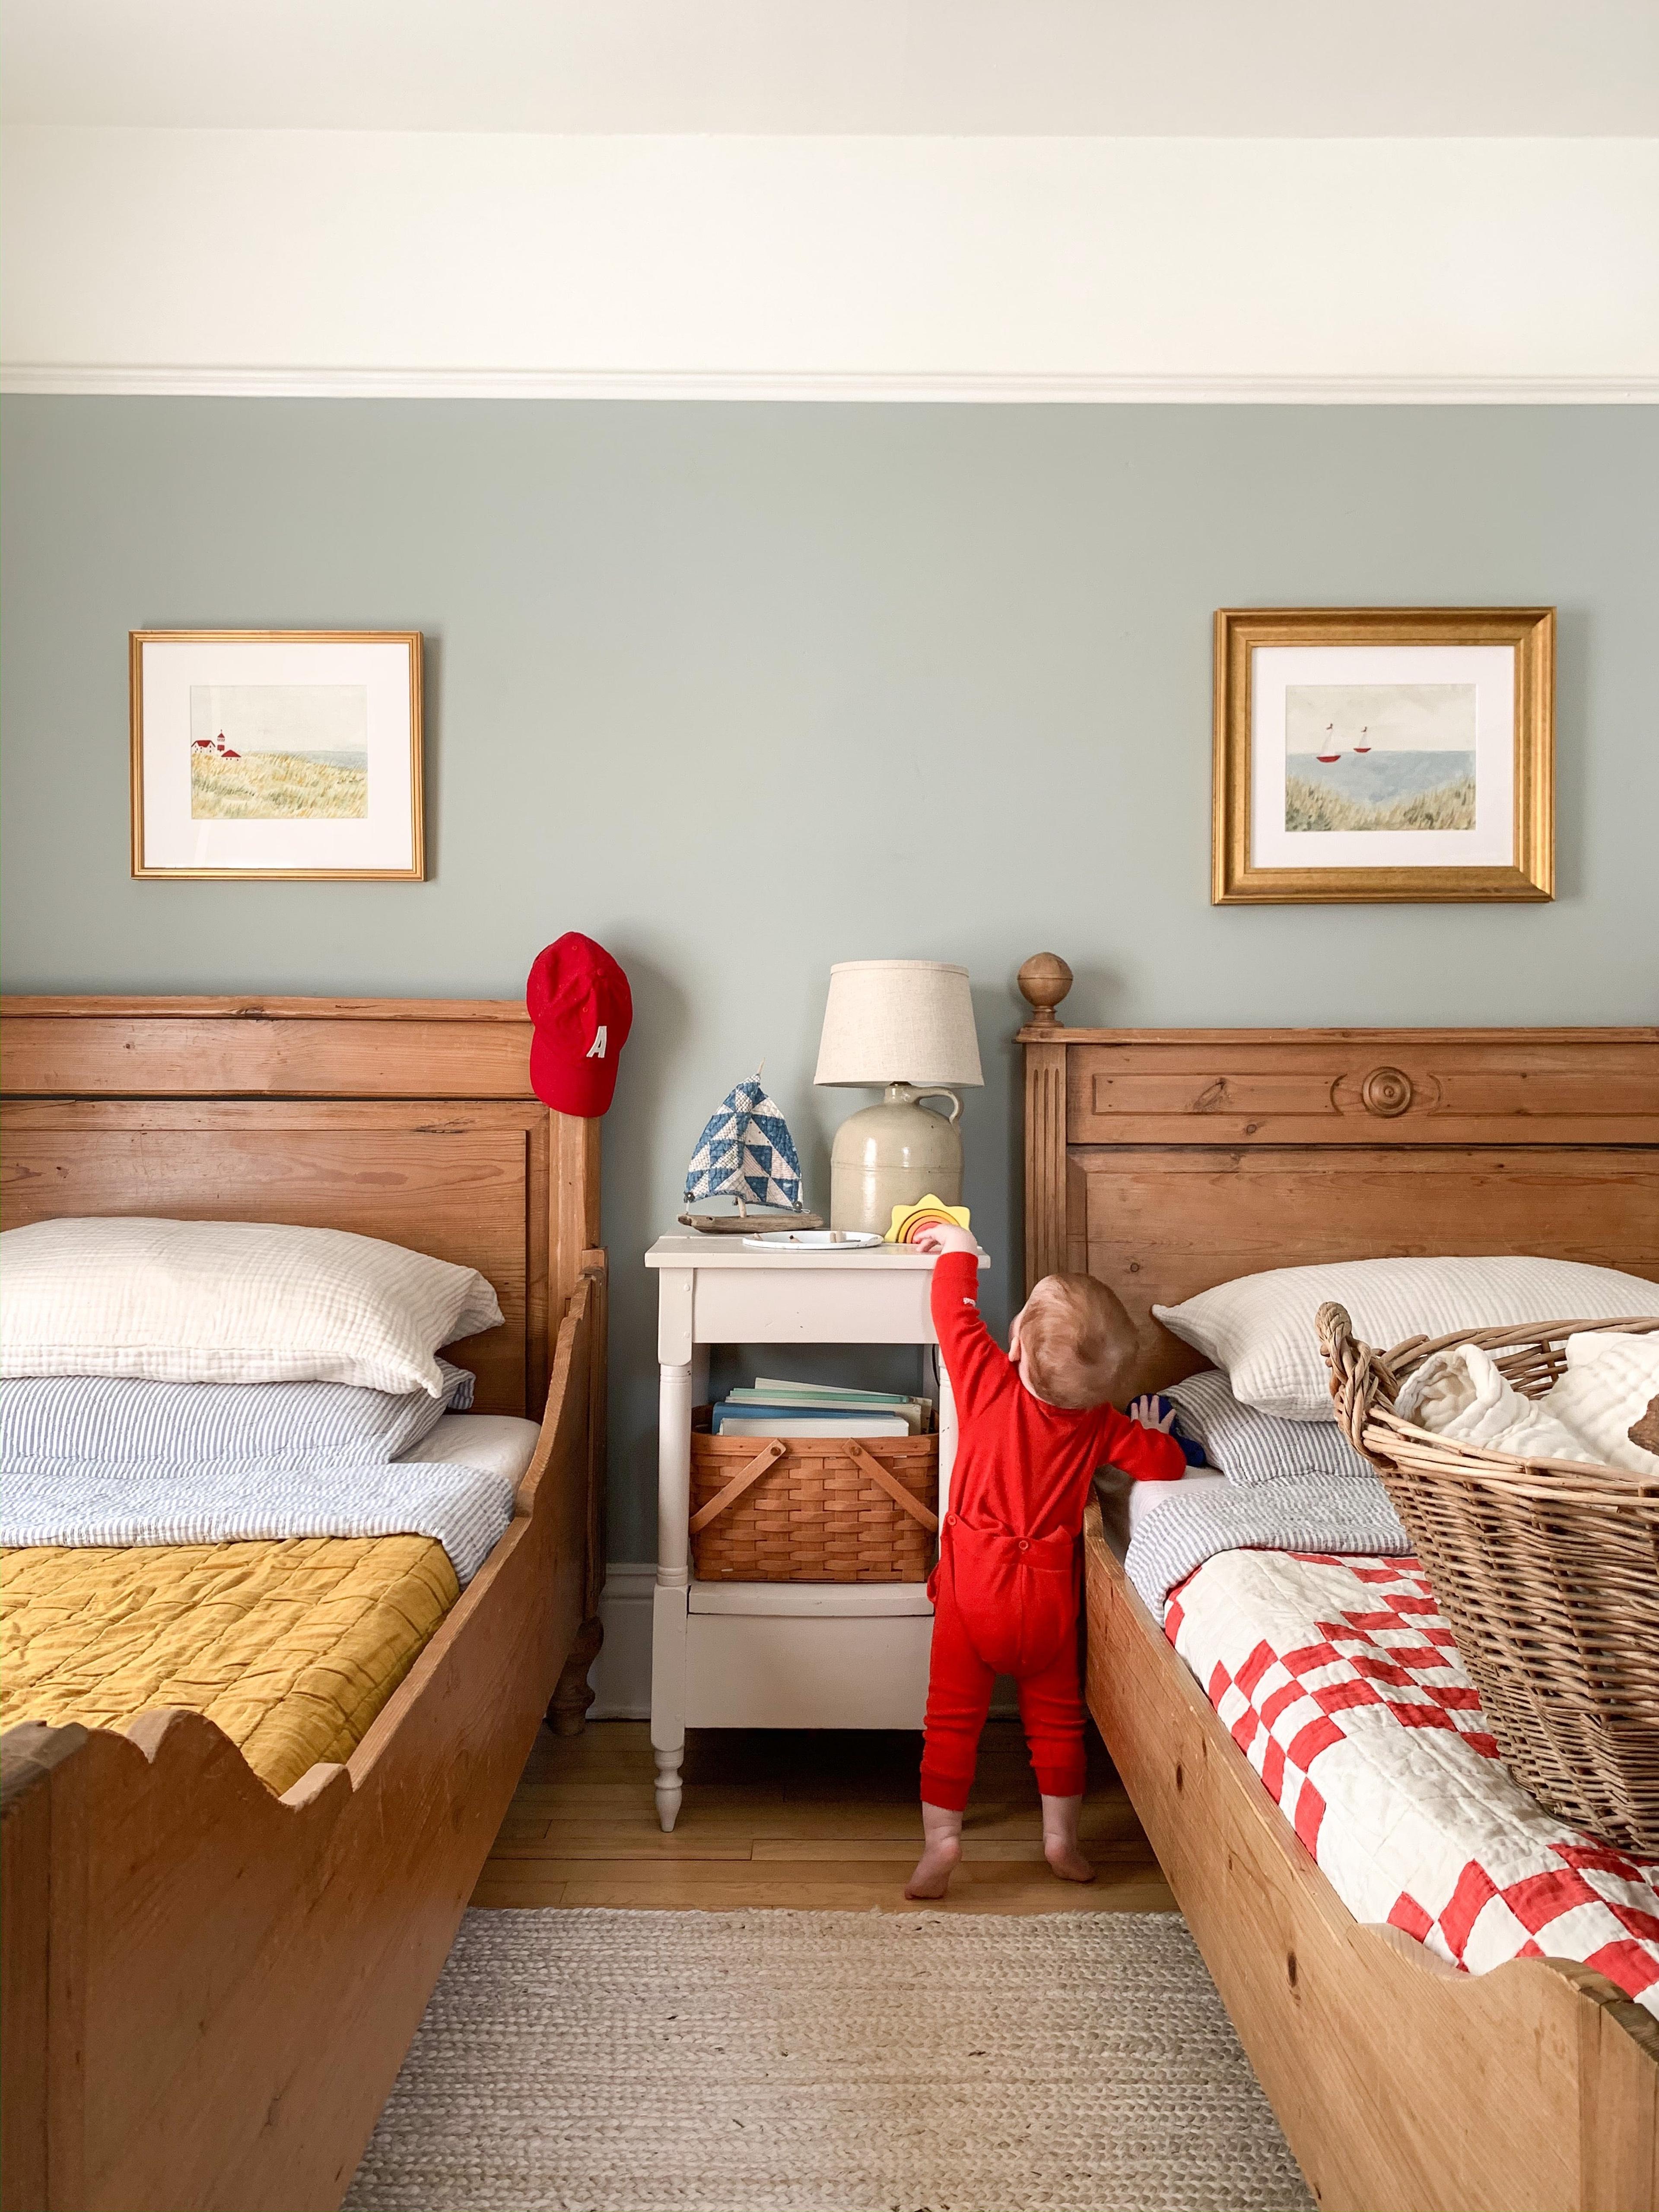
point(746, 1153)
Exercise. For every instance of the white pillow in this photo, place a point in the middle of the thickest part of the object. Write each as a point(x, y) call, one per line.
point(231, 1302)
point(1260, 1328)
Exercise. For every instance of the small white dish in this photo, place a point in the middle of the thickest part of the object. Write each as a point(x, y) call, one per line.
point(812, 1240)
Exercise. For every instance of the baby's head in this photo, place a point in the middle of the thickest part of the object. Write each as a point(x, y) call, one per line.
point(1073, 1342)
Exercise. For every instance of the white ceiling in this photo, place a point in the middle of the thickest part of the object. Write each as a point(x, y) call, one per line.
point(1129, 67)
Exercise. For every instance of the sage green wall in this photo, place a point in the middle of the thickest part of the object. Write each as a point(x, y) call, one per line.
point(741, 690)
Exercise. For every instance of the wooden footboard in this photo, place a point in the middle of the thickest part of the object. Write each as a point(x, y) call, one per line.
point(1401, 2085)
point(208, 1990)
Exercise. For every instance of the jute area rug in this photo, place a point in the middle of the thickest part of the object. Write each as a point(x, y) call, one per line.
point(825, 2062)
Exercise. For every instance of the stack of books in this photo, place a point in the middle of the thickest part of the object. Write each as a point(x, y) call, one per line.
point(773, 1408)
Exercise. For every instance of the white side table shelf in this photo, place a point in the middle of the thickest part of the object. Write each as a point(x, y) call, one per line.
point(779, 1655)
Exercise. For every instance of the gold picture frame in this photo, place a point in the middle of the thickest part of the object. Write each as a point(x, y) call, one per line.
point(1379, 832)
point(276, 807)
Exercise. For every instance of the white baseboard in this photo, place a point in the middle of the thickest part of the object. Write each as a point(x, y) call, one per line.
point(621, 1675)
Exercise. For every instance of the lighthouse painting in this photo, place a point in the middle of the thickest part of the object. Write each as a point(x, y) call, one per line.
point(278, 752)
point(1379, 756)
point(285, 756)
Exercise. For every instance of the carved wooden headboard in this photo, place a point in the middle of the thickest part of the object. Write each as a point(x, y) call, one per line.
point(410, 1119)
point(1166, 1161)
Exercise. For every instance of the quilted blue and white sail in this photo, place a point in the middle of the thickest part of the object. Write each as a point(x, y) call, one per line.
point(746, 1151)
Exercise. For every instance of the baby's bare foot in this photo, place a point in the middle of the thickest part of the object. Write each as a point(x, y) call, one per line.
point(1065, 1860)
point(934, 1868)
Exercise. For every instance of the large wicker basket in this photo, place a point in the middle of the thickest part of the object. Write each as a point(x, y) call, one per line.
point(1548, 1572)
point(813, 1509)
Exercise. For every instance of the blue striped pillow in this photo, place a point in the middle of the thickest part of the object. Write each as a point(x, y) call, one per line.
point(1250, 1448)
point(106, 1421)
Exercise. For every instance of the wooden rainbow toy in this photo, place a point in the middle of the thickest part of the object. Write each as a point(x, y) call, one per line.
point(907, 1220)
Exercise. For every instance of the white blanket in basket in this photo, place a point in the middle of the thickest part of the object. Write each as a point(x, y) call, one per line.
point(1610, 1382)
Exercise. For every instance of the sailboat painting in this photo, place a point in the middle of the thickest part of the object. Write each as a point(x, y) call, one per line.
point(1379, 756)
point(746, 1153)
point(1382, 755)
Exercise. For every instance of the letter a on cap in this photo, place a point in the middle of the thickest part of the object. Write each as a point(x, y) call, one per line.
point(579, 1003)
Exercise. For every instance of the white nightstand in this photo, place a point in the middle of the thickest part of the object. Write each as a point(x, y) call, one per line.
point(779, 1655)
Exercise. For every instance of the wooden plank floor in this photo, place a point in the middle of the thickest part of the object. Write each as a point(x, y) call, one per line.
point(826, 1819)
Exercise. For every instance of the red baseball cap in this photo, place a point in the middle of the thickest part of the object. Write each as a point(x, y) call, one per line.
point(580, 1002)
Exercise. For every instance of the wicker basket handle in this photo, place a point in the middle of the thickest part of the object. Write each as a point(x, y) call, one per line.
point(767, 1456)
point(868, 1464)
point(1358, 1375)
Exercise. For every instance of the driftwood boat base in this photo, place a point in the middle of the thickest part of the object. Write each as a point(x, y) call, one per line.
point(748, 1224)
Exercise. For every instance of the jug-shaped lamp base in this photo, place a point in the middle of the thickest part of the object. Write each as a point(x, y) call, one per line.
point(892, 1155)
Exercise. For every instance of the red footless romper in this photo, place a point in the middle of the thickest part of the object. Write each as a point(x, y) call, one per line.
point(1005, 1591)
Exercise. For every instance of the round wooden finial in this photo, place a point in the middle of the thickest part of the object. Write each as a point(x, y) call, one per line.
point(1045, 979)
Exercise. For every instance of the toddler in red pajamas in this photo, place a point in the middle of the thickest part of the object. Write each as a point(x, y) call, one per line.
point(1033, 1425)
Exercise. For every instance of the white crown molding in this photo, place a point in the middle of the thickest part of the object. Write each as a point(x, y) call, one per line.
point(326, 264)
point(99, 380)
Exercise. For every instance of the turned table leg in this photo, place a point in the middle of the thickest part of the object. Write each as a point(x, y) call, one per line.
point(668, 1639)
point(669, 1610)
point(670, 1789)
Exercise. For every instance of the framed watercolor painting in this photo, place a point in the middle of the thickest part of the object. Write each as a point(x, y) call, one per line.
point(1383, 753)
point(277, 755)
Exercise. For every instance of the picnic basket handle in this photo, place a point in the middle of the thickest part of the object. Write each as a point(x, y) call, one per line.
point(868, 1464)
point(751, 1471)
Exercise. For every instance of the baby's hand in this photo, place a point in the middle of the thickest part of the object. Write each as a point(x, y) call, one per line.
point(1144, 1410)
point(941, 1236)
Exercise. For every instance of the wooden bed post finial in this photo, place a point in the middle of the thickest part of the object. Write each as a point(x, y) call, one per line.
point(1045, 979)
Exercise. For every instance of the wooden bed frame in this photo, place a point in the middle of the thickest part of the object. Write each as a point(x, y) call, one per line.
point(1166, 1162)
point(208, 1990)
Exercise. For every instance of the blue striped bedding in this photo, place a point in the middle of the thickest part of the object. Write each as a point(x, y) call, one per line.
point(98, 1460)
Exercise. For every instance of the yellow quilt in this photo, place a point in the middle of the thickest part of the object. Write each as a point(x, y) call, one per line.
point(292, 1648)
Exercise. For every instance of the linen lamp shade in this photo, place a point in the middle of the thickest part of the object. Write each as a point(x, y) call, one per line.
point(909, 1026)
point(899, 1020)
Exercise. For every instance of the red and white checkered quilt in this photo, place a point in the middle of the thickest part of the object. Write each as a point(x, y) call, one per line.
point(1340, 1682)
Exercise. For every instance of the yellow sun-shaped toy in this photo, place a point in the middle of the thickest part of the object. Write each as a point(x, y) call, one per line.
point(907, 1220)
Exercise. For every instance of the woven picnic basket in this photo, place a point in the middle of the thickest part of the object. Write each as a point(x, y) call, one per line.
point(1548, 1572)
point(813, 1509)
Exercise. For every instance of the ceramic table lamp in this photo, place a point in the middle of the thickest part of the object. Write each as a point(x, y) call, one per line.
point(907, 1025)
